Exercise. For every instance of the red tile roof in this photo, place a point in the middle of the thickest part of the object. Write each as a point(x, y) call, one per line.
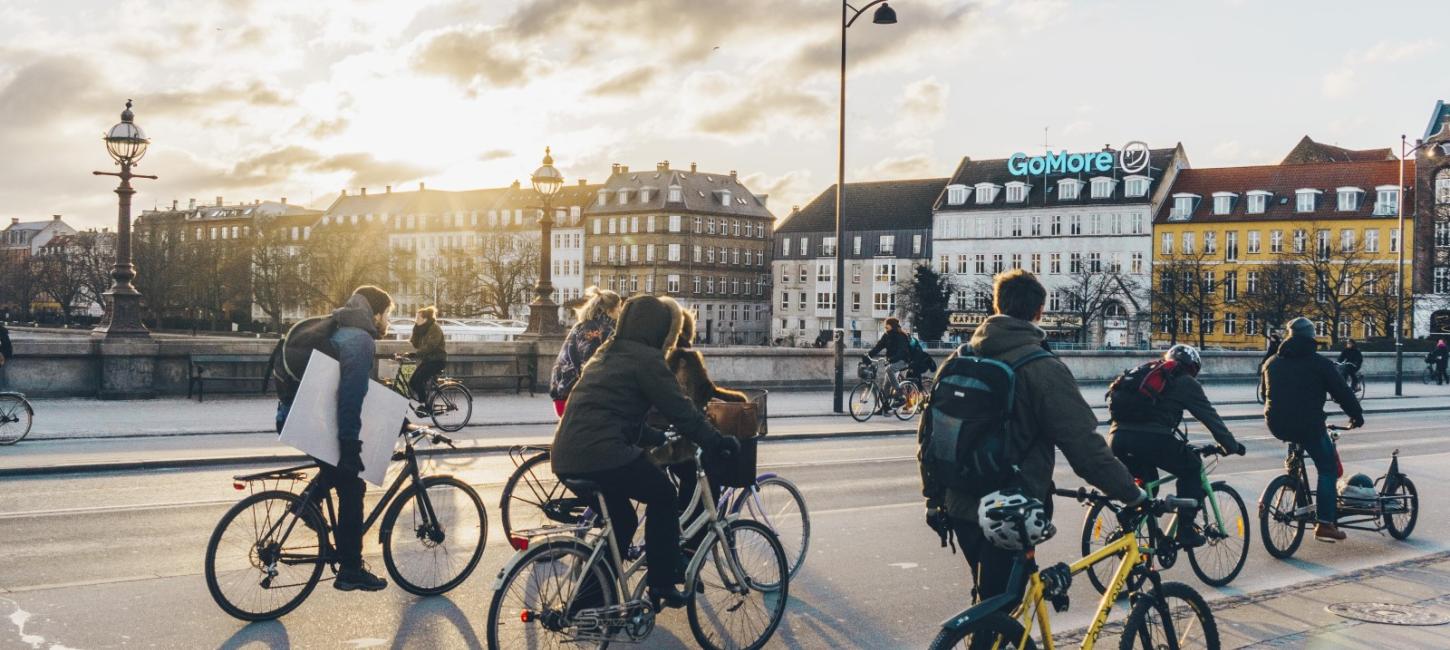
point(1282, 181)
point(1307, 151)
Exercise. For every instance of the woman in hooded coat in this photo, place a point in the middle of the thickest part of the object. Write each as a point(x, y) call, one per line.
point(688, 366)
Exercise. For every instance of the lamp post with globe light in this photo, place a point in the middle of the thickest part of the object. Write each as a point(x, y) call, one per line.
point(127, 144)
point(543, 312)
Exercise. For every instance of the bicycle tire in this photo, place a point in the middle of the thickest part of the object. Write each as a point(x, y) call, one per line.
point(795, 550)
point(519, 511)
point(999, 629)
point(548, 551)
point(863, 403)
point(214, 579)
point(1221, 543)
point(1138, 632)
point(771, 580)
point(14, 405)
point(436, 539)
point(1281, 538)
point(449, 398)
point(911, 399)
point(1402, 531)
point(1099, 527)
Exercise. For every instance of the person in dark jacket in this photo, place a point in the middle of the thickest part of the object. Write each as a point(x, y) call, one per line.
point(688, 367)
point(428, 340)
point(1295, 383)
point(922, 365)
point(898, 352)
point(6, 352)
point(595, 324)
point(603, 429)
point(1150, 442)
point(1440, 356)
point(1050, 413)
point(1354, 360)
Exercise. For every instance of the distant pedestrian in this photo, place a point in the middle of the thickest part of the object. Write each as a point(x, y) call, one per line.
point(1441, 356)
point(597, 319)
point(6, 351)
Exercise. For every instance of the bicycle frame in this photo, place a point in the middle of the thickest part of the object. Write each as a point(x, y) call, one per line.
point(1212, 499)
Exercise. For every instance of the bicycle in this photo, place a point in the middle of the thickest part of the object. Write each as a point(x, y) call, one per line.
point(876, 394)
point(16, 417)
point(260, 564)
point(1287, 506)
point(1224, 522)
point(1352, 378)
point(1156, 616)
point(573, 584)
point(449, 405)
point(1428, 376)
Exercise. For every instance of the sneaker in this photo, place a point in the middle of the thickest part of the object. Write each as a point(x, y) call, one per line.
point(1328, 533)
point(1191, 537)
point(358, 579)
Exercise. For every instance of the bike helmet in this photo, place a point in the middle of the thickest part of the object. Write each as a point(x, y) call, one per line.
point(1358, 491)
point(1186, 356)
point(999, 512)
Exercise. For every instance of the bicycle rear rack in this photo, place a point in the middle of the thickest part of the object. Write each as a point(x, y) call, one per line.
point(273, 479)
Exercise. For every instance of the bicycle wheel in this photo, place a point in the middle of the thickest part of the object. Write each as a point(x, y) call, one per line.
point(1219, 561)
point(911, 400)
point(1099, 528)
point(1172, 616)
point(534, 602)
point(16, 417)
point(864, 402)
point(431, 549)
point(725, 612)
point(262, 561)
point(534, 498)
point(1401, 514)
point(1279, 525)
point(997, 631)
point(778, 504)
point(450, 406)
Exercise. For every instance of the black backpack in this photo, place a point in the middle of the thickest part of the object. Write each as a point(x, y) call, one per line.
point(965, 437)
point(1133, 394)
point(293, 351)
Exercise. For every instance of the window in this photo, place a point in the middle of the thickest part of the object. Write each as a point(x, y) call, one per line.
point(696, 253)
point(1231, 246)
point(1095, 224)
point(1208, 322)
point(1442, 279)
point(1016, 192)
point(1442, 189)
point(1137, 263)
point(784, 295)
point(1349, 198)
point(1394, 240)
point(1300, 239)
point(672, 283)
point(1258, 201)
point(1276, 241)
point(1442, 234)
point(1188, 244)
point(603, 197)
point(1095, 262)
point(1371, 240)
point(1074, 264)
point(1102, 187)
point(916, 245)
point(784, 248)
point(825, 300)
point(886, 245)
point(1230, 323)
point(962, 266)
point(1036, 226)
point(824, 271)
point(997, 263)
point(1210, 242)
point(981, 264)
point(886, 272)
point(1054, 301)
point(805, 243)
point(1223, 202)
point(884, 301)
point(1054, 263)
point(1346, 240)
point(673, 254)
point(634, 224)
point(699, 225)
point(1138, 220)
point(1074, 225)
point(856, 245)
point(1253, 241)
point(597, 225)
point(1068, 189)
point(855, 274)
point(1166, 248)
point(957, 194)
point(856, 300)
point(802, 271)
point(1321, 241)
point(1230, 286)
point(674, 223)
point(828, 246)
point(634, 252)
point(1056, 225)
point(1251, 324)
point(1182, 206)
point(1135, 186)
point(1304, 200)
point(1015, 225)
point(613, 253)
point(986, 193)
point(710, 228)
point(1387, 200)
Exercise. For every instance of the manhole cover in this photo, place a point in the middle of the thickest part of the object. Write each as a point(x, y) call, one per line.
point(1390, 613)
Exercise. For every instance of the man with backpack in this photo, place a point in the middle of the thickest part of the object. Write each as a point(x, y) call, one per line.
point(922, 365)
point(349, 335)
point(1146, 405)
point(1000, 406)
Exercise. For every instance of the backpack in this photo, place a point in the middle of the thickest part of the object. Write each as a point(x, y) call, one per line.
point(965, 436)
point(1133, 393)
point(293, 351)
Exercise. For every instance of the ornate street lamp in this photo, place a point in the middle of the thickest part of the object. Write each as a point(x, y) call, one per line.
point(127, 144)
point(543, 313)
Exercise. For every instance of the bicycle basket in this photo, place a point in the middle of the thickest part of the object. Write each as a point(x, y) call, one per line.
point(866, 370)
point(740, 473)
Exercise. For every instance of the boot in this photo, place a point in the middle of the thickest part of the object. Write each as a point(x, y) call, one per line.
point(359, 578)
point(1189, 536)
point(1330, 533)
point(670, 597)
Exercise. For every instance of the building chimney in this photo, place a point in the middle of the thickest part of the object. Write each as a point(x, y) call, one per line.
point(173, 205)
point(794, 209)
point(515, 184)
point(663, 166)
point(284, 200)
point(218, 201)
point(583, 182)
point(732, 174)
point(614, 168)
point(692, 168)
point(364, 191)
point(387, 189)
point(191, 205)
point(55, 217)
point(14, 220)
point(421, 186)
point(344, 191)
point(624, 169)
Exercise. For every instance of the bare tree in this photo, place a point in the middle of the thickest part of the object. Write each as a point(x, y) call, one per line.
point(1186, 293)
point(61, 279)
point(1274, 292)
point(22, 283)
point(159, 253)
point(451, 281)
point(1088, 291)
point(1338, 270)
point(508, 265)
point(337, 260)
point(275, 269)
point(94, 254)
point(216, 282)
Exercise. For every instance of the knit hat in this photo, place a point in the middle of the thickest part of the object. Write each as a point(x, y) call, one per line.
point(1301, 326)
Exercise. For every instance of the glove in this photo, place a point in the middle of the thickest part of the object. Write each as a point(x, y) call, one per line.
point(726, 449)
point(350, 460)
point(1356, 421)
point(1239, 449)
point(1138, 500)
point(936, 519)
point(650, 436)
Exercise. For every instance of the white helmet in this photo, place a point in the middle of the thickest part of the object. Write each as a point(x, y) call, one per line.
point(999, 512)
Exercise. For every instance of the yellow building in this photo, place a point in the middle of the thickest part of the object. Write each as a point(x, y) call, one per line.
point(1238, 251)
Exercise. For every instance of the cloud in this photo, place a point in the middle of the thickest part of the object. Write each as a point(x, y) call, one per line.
point(281, 164)
point(915, 166)
point(628, 83)
point(924, 101)
point(495, 154)
point(1343, 80)
point(792, 188)
point(919, 29)
point(469, 56)
point(758, 112)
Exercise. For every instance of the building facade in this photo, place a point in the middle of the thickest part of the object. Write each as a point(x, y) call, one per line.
point(25, 238)
point(1431, 213)
point(887, 226)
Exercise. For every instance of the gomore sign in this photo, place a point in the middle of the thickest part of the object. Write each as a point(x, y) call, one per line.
point(1133, 158)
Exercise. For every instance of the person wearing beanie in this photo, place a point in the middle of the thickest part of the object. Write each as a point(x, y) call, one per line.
point(1296, 380)
point(1440, 356)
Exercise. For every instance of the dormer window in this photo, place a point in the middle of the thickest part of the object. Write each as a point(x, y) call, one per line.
point(1223, 202)
point(1387, 200)
point(1135, 186)
point(1349, 198)
point(623, 197)
point(957, 194)
point(1068, 189)
point(1103, 187)
point(987, 193)
point(644, 195)
point(1183, 205)
point(725, 197)
point(1305, 200)
point(1258, 201)
point(1016, 192)
point(676, 195)
point(603, 199)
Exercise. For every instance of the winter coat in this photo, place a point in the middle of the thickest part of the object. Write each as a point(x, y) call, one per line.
point(895, 344)
point(1183, 392)
point(1050, 412)
point(6, 349)
point(1352, 355)
point(428, 340)
point(583, 341)
point(1439, 356)
point(1295, 383)
point(627, 377)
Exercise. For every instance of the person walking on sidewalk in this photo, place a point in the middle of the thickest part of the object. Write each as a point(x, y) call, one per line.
point(1440, 356)
point(432, 349)
point(596, 320)
point(6, 351)
point(1296, 379)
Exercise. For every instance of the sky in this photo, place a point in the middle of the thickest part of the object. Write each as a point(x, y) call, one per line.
point(263, 99)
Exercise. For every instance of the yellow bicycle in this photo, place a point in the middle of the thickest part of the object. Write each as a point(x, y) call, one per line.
point(1163, 615)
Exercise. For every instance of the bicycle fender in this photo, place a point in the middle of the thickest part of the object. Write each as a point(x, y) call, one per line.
point(1222, 484)
point(384, 531)
point(552, 538)
point(979, 611)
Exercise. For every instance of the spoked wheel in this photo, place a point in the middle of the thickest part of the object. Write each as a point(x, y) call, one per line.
point(1100, 528)
point(911, 399)
point(15, 418)
point(430, 548)
point(450, 406)
point(535, 602)
point(1219, 561)
point(1280, 526)
point(1402, 513)
point(1359, 387)
point(865, 402)
point(534, 498)
point(262, 561)
point(1172, 616)
point(738, 609)
point(992, 631)
point(778, 503)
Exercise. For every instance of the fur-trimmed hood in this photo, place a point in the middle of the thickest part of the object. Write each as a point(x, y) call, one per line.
point(653, 321)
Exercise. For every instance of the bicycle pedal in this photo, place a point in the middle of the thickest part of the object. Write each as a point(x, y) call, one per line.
point(1060, 604)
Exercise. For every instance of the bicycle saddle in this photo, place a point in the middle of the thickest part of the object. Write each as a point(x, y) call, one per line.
point(583, 488)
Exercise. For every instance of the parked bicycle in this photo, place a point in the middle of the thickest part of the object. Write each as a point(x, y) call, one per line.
point(878, 394)
point(449, 405)
point(269, 551)
point(1287, 506)
point(16, 416)
point(1161, 614)
point(574, 585)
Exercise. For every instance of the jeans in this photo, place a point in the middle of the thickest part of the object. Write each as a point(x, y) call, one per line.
point(424, 373)
point(349, 531)
point(355, 349)
point(640, 480)
point(990, 567)
point(1326, 465)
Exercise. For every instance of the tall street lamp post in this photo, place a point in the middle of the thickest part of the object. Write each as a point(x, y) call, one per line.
point(1405, 151)
point(884, 15)
point(543, 313)
point(126, 143)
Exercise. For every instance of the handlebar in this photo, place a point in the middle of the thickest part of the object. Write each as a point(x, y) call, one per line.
point(415, 432)
point(1155, 506)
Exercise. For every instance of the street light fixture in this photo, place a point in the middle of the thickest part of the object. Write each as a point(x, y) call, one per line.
point(884, 15)
point(543, 313)
point(127, 144)
point(1405, 151)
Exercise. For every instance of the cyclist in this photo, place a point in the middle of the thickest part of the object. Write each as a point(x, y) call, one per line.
point(1353, 360)
point(898, 352)
point(1145, 436)
point(1295, 383)
point(428, 340)
point(1440, 356)
point(601, 434)
point(688, 366)
point(1049, 412)
point(596, 319)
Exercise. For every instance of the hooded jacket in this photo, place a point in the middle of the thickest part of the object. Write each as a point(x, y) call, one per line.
point(1183, 392)
point(356, 312)
point(428, 340)
point(1050, 412)
point(618, 386)
point(1295, 383)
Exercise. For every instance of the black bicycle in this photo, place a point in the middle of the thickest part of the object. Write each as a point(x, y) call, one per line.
point(268, 551)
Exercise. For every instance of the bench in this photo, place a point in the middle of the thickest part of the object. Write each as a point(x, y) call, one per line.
point(478, 370)
point(226, 369)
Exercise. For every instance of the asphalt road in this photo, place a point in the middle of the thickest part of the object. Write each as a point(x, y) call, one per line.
point(115, 560)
